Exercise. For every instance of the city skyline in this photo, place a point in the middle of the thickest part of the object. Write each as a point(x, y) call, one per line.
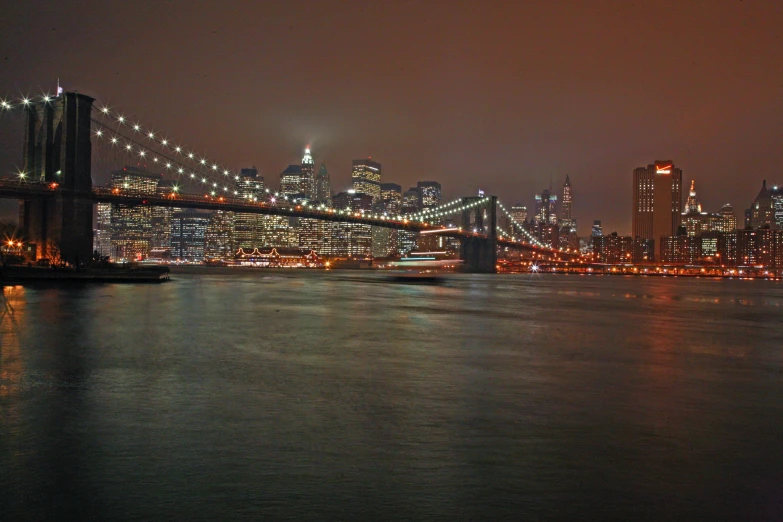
point(533, 114)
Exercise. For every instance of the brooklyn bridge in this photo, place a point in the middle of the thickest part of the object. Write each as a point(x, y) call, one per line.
point(57, 194)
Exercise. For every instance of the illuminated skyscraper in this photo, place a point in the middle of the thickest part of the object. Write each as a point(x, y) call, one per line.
point(307, 182)
point(161, 219)
point(323, 186)
point(350, 239)
point(188, 235)
point(657, 202)
point(430, 194)
point(597, 230)
point(248, 227)
point(762, 210)
point(384, 240)
point(366, 177)
point(567, 232)
point(565, 204)
point(102, 232)
point(546, 208)
point(219, 236)
point(131, 236)
point(728, 219)
point(291, 182)
point(411, 204)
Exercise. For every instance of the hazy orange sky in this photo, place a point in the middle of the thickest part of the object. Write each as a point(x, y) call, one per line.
point(502, 96)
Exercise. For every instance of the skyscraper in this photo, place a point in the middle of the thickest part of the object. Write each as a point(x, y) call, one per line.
point(546, 208)
point(729, 219)
point(323, 186)
point(762, 210)
point(411, 203)
point(351, 239)
point(430, 194)
point(567, 233)
point(291, 181)
point(188, 235)
point(102, 233)
point(565, 204)
point(384, 240)
point(366, 178)
point(657, 202)
point(161, 219)
point(307, 183)
point(219, 236)
point(597, 230)
point(131, 225)
point(247, 226)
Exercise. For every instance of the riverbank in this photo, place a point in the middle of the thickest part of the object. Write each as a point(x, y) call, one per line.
point(22, 274)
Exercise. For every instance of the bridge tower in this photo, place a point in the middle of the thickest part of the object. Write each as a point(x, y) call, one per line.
point(480, 254)
point(57, 149)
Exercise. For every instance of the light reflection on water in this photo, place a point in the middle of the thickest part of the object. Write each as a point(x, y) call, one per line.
point(339, 395)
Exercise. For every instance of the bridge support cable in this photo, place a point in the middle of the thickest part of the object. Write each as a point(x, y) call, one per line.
point(531, 238)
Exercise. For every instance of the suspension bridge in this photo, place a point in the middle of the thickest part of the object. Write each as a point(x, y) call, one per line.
point(57, 194)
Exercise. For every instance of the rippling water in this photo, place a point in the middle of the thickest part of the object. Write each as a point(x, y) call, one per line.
point(237, 394)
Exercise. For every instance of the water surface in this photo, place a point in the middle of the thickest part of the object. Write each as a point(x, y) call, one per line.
point(236, 394)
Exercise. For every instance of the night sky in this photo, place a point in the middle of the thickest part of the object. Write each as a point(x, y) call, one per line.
point(502, 96)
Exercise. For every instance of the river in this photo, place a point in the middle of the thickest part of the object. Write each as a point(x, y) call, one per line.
point(233, 394)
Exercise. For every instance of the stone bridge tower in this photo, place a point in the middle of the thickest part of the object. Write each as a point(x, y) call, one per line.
point(57, 149)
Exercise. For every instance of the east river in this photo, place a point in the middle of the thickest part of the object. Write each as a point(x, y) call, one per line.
point(241, 394)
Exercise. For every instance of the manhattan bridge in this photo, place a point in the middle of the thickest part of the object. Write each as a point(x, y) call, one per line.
point(63, 135)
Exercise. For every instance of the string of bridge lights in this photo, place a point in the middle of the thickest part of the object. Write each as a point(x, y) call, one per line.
point(520, 227)
point(212, 167)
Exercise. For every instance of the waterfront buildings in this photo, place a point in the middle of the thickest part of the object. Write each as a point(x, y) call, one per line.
point(657, 201)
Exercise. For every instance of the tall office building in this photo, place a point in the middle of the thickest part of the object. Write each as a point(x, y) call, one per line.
point(102, 233)
point(430, 194)
point(546, 208)
point(762, 210)
point(384, 240)
point(131, 226)
point(188, 235)
point(219, 236)
point(410, 204)
point(307, 182)
point(597, 230)
point(657, 202)
point(565, 204)
point(248, 227)
point(350, 239)
point(366, 178)
point(323, 186)
point(567, 233)
point(161, 219)
point(728, 219)
point(519, 213)
point(291, 182)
